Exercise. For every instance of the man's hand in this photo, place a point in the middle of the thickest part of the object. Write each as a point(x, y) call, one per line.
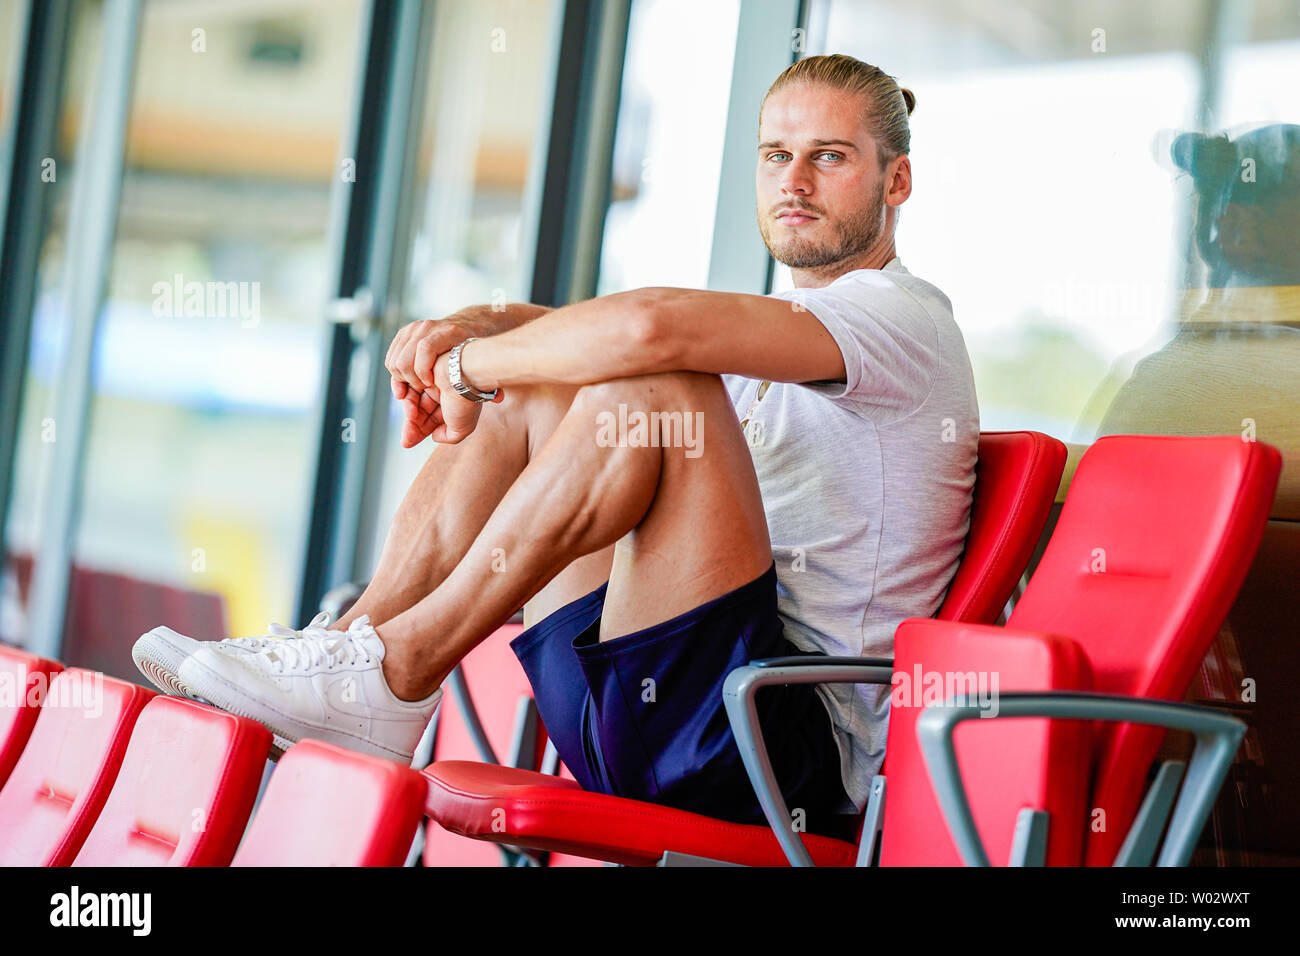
point(416, 347)
point(456, 417)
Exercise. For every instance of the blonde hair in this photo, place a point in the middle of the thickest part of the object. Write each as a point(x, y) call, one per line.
point(887, 105)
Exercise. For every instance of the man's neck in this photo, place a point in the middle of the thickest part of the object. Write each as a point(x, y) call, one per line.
point(875, 258)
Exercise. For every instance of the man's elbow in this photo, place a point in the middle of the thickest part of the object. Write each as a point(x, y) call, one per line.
point(653, 338)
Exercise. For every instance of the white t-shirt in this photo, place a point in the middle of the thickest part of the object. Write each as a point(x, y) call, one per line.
point(867, 484)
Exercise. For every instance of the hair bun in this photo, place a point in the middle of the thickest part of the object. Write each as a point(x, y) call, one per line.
point(1207, 158)
point(909, 98)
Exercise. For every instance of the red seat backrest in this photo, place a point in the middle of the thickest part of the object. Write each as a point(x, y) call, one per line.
point(185, 789)
point(60, 783)
point(24, 679)
point(1015, 484)
point(328, 806)
point(1151, 548)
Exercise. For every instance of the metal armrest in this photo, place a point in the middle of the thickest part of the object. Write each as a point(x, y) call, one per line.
point(738, 694)
point(822, 660)
point(1217, 738)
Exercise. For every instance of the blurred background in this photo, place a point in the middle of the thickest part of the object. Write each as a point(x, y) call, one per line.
point(217, 212)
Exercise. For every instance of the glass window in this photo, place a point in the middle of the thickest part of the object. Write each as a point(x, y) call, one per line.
point(12, 40)
point(482, 138)
point(668, 144)
point(209, 344)
point(34, 445)
point(1046, 203)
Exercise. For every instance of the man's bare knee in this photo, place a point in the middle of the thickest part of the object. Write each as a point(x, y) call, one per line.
point(665, 409)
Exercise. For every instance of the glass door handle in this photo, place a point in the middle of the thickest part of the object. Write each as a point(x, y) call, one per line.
point(358, 311)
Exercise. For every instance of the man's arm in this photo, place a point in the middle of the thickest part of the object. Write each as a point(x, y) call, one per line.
point(659, 330)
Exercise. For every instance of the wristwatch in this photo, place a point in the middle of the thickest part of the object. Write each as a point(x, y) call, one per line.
point(459, 384)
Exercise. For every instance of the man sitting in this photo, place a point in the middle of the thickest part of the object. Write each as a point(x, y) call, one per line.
point(676, 482)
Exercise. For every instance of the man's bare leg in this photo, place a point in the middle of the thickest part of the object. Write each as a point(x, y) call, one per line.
point(688, 529)
point(451, 499)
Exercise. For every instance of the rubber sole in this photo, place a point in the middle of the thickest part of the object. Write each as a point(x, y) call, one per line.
point(159, 659)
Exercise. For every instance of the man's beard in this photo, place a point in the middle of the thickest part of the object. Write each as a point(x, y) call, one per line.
point(853, 236)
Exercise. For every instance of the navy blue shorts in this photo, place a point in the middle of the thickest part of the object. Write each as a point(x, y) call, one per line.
point(641, 716)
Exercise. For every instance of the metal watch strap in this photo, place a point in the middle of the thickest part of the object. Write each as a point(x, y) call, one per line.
point(453, 373)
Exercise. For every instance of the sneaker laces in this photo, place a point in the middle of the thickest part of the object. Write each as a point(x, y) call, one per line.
point(280, 632)
point(319, 647)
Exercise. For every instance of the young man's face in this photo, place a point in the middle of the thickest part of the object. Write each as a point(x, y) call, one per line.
point(815, 157)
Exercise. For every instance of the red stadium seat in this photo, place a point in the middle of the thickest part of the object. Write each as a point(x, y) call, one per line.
point(24, 679)
point(1150, 550)
point(185, 790)
point(59, 786)
point(1016, 481)
point(328, 806)
point(488, 716)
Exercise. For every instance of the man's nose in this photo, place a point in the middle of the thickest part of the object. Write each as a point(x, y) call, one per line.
point(795, 179)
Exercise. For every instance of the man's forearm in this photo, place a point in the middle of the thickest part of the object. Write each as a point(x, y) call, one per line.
point(592, 341)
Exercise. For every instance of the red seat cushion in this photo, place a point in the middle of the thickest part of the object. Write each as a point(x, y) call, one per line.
point(63, 778)
point(24, 679)
point(185, 789)
point(549, 813)
point(328, 806)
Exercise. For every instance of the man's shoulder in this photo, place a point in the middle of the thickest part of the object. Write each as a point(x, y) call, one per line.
point(892, 289)
point(895, 276)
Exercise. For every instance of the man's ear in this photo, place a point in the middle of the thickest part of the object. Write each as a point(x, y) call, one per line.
point(898, 180)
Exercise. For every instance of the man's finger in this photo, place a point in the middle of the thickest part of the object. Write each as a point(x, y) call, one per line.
point(411, 435)
point(426, 355)
point(395, 347)
point(414, 413)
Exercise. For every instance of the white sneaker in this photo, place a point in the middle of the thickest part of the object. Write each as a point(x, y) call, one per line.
point(328, 685)
point(159, 653)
